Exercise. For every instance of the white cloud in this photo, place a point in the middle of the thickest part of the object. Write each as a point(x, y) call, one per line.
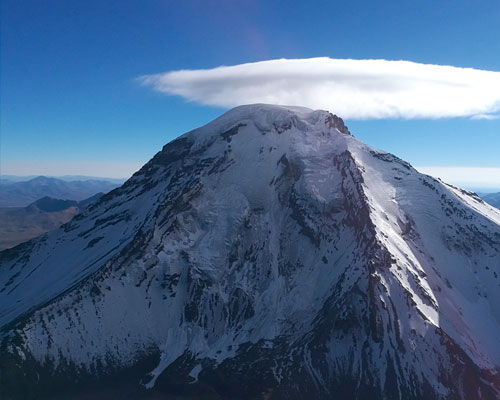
point(467, 177)
point(356, 89)
point(486, 116)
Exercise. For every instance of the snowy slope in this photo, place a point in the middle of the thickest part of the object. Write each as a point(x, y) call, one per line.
point(492, 198)
point(266, 253)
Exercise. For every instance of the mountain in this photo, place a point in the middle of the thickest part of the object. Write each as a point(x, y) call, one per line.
point(266, 255)
point(23, 178)
point(7, 179)
point(21, 194)
point(116, 181)
point(20, 224)
point(492, 198)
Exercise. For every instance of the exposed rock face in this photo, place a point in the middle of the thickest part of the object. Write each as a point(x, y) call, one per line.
point(268, 254)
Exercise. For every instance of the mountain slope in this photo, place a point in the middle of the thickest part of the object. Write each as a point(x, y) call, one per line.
point(21, 194)
point(492, 198)
point(268, 254)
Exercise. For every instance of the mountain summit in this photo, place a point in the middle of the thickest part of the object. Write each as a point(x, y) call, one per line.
point(266, 255)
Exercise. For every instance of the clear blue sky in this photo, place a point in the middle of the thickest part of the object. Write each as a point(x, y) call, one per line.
point(68, 67)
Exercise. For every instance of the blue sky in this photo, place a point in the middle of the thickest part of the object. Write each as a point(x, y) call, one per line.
point(70, 102)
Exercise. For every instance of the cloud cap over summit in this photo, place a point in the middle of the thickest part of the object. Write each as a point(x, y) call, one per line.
point(355, 89)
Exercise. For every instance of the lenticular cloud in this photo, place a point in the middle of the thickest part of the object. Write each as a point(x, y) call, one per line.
point(356, 89)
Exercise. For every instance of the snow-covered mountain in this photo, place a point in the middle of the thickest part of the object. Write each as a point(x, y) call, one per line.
point(268, 254)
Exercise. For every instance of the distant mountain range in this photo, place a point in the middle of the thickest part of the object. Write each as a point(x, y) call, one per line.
point(22, 178)
point(492, 198)
point(20, 224)
point(22, 193)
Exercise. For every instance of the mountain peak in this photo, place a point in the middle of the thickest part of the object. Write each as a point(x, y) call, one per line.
point(270, 115)
point(42, 179)
point(269, 118)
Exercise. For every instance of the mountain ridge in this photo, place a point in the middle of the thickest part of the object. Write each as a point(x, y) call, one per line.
point(23, 193)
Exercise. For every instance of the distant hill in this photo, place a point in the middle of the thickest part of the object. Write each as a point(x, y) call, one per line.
point(492, 198)
point(23, 178)
point(21, 194)
point(20, 224)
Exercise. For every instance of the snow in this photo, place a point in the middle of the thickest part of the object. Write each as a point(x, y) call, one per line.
point(250, 238)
